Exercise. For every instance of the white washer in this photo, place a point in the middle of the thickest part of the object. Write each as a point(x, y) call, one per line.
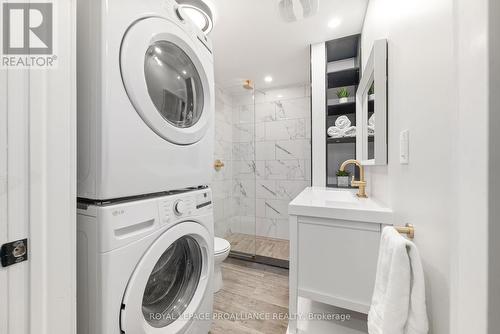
point(145, 99)
point(146, 266)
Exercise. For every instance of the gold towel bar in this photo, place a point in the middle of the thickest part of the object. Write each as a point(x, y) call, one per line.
point(409, 230)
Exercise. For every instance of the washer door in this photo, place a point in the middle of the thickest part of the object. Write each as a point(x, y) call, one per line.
point(165, 80)
point(169, 283)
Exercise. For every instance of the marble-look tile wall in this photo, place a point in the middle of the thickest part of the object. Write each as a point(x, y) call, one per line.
point(243, 191)
point(222, 180)
point(271, 158)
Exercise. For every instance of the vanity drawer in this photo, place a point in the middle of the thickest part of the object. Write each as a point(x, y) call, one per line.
point(337, 261)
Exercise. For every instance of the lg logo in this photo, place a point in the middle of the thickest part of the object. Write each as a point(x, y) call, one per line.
point(27, 28)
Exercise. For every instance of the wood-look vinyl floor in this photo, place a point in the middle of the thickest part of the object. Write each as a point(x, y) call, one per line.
point(251, 288)
point(263, 246)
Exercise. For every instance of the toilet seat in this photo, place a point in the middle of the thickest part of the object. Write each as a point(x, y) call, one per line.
point(221, 246)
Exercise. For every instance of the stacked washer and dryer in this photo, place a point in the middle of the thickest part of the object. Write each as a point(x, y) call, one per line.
point(145, 158)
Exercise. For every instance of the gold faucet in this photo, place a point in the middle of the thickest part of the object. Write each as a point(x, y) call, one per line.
point(362, 182)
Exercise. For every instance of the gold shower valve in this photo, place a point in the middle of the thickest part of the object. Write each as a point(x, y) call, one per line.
point(218, 165)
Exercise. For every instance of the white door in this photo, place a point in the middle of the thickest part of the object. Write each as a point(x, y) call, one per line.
point(38, 188)
point(165, 79)
point(169, 283)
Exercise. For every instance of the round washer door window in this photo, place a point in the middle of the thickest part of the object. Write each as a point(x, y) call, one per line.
point(174, 84)
point(172, 283)
point(168, 78)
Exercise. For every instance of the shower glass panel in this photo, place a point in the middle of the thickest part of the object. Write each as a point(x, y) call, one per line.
point(263, 138)
point(243, 237)
point(241, 231)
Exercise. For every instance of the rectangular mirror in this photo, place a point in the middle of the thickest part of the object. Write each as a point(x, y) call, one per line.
point(371, 108)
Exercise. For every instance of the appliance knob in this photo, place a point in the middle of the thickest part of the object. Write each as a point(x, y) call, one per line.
point(180, 208)
point(180, 15)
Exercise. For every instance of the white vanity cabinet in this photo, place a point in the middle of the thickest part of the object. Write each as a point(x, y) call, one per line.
point(334, 244)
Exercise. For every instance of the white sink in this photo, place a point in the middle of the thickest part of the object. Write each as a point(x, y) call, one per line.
point(339, 204)
point(333, 195)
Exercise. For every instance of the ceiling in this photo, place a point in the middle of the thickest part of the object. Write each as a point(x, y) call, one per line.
point(251, 41)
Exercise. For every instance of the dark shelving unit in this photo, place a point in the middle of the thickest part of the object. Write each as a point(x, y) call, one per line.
point(371, 106)
point(343, 48)
point(344, 140)
point(346, 50)
point(342, 109)
point(343, 78)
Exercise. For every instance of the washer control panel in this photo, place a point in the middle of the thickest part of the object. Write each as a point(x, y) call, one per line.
point(174, 207)
point(165, 209)
point(180, 207)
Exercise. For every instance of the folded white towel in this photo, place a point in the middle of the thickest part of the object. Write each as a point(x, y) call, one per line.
point(350, 132)
point(335, 132)
point(342, 122)
point(371, 121)
point(371, 130)
point(398, 304)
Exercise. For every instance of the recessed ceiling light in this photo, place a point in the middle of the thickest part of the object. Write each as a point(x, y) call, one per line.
point(334, 23)
point(268, 78)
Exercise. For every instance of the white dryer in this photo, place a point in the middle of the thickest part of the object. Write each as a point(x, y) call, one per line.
point(145, 99)
point(146, 266)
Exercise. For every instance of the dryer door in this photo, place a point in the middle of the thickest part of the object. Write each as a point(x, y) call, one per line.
point(169, 282)
point(166, 77)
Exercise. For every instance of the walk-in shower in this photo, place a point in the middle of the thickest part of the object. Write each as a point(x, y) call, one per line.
point(263, 138)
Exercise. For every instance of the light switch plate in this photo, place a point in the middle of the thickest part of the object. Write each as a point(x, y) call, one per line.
point(404, 147)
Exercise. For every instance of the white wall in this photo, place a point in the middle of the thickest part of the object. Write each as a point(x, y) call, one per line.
point(423, 97)
point(318, 107)
point(470, 230)
point(494, 151)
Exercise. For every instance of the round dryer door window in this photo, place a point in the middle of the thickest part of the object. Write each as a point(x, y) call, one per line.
point(168, 77)
point(170, 282)
point(174, 84)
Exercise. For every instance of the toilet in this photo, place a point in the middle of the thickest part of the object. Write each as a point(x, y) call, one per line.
point(221, 250)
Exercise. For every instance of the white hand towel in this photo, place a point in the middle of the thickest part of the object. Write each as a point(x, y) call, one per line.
point(342, 122)
point(398, 304)
point(371, 130)
point(371, 121)
point(335, 132)
point(350, 132)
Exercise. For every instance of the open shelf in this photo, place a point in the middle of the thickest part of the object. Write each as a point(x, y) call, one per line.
point(343, 48)
point(341, 65)
point(343, 78)
point(346, 140)
point(337, 109)
point(341, 108)
point(371, 106)
point(343, 140)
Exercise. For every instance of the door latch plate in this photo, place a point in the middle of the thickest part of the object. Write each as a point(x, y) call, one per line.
point(14, 252)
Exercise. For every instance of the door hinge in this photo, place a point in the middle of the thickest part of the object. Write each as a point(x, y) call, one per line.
point(14, 252)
